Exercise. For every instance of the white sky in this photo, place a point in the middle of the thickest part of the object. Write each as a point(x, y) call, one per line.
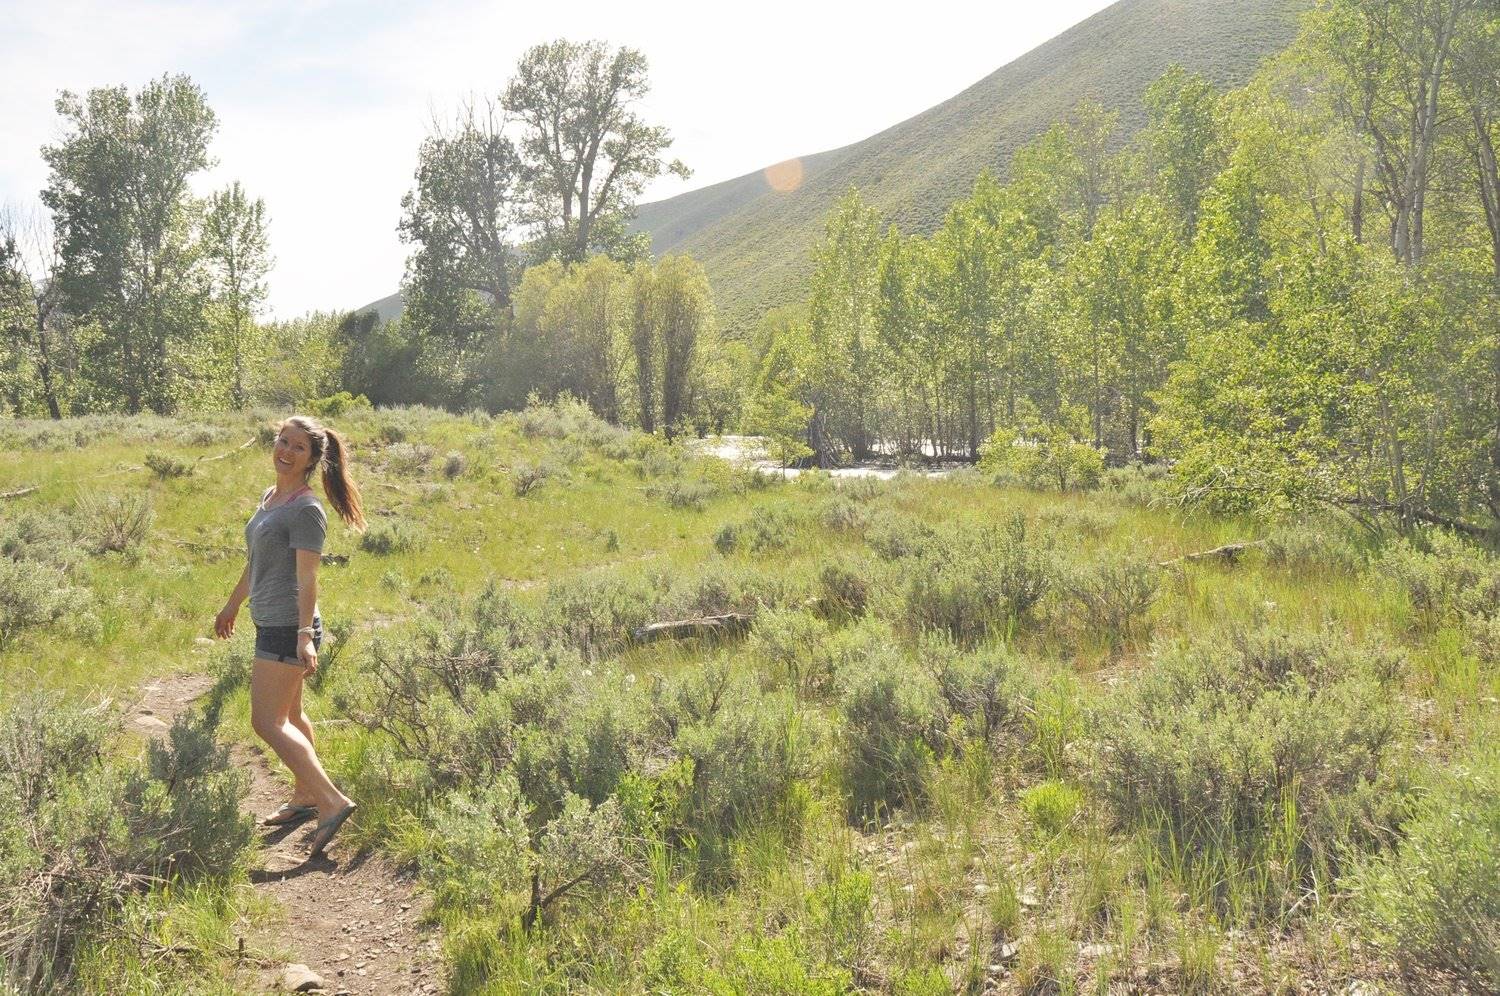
point(322, 103)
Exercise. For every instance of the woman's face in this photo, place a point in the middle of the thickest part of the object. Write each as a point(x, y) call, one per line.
point(292, 453)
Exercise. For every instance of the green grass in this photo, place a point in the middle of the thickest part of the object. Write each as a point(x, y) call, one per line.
point(1010, 854)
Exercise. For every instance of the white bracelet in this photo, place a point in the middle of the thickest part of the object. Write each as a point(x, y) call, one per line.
point(309, 630)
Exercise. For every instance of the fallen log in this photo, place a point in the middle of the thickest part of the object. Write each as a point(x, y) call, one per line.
point(221, 456)
point(1229, 551)
point(18, 493)
point(681, 629)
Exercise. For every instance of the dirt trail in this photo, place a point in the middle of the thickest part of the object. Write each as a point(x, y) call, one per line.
point(348, 916)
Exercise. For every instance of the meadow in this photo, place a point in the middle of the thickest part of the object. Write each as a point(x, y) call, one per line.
point(953, 735)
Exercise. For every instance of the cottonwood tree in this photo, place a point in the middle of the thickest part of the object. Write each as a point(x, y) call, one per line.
point(1181, 141)
point(120, 198)
point(845, 362)
point(586, 151)
point(1387, 65)
point(462, 219)
point(237, 248)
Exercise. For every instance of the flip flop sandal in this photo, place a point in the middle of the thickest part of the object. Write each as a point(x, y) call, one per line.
point(323, 835)
point(289, 813)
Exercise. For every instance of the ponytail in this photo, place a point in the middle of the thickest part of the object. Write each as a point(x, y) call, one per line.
point(329, 450)
point(340, 488)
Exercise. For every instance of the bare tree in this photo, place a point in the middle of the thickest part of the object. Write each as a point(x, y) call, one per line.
point(29, 296)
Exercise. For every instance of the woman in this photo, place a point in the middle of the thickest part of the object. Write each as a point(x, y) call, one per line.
point(284, 540)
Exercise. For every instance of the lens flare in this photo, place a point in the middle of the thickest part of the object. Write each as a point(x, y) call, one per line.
point(785, 177)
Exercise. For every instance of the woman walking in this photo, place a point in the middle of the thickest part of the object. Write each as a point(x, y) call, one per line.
point(284, 540)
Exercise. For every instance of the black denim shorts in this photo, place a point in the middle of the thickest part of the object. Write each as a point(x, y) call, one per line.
point(279, 643)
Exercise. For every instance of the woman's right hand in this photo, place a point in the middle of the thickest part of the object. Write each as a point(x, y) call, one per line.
point(224, 622)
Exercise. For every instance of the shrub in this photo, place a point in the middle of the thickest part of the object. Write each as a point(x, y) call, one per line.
point(526, 477)
point(165, 467)
point(1434, 904)
point(680, 491)
point(792, 639)
point(974, 583)
point(893, 716)
point(1114, 595)
point(1051, 806)
point(595, 613)
point(1070, 522)
point(844, 589)
point(1444, 578)
point(88, 831)
point(1310, 546)
point(1144, 484)
point(454, 465)
point(488, 847)
point(407, 459)
point(764, 529)
point(895, 536)
point(335, 405)
point(389, 536)
point(113, 523)
point(746, 750)
point(40, 538)
point(978, 686)
point(842, 513)
point(34, 594)
point(1254, 758)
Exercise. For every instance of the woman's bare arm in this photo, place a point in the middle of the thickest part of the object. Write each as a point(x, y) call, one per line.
point(307, 605)
point(224, 621)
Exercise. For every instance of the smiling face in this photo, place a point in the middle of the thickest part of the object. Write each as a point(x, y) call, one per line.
point(292, 454)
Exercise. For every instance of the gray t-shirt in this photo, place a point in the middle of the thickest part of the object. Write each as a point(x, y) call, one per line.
point(273, 537)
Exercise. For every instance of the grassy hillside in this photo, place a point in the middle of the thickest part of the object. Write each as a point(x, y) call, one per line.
point(754, 241)
point(975, 738)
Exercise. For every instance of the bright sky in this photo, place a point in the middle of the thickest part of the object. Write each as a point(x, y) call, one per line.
point(322, 103)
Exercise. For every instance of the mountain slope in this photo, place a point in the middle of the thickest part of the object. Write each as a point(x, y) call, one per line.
point(754, 241)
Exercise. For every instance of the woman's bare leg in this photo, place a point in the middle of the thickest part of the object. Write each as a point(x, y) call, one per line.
point(274, 688)
point(302, 795)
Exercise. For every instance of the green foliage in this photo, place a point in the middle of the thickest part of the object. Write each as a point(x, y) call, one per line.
point(526, 477)
point(1443, 578)
point(1302, 545)
point(34, 594)
point(1113, 595)
point(896, 537)
point(981, 687)
point(336, 405)
point(1057, 460)
point(976, 583)
point(455, 464)
point(893, 719)
point(84, 832)
point(764, 531)
point(1254, 758)
point(165, 467)
point(407, 459)
point(387, 537)
point(1434, 903)
point(1051, 806)
point(151, 143)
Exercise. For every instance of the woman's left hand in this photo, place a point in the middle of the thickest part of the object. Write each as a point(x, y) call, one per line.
point(307, 652)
